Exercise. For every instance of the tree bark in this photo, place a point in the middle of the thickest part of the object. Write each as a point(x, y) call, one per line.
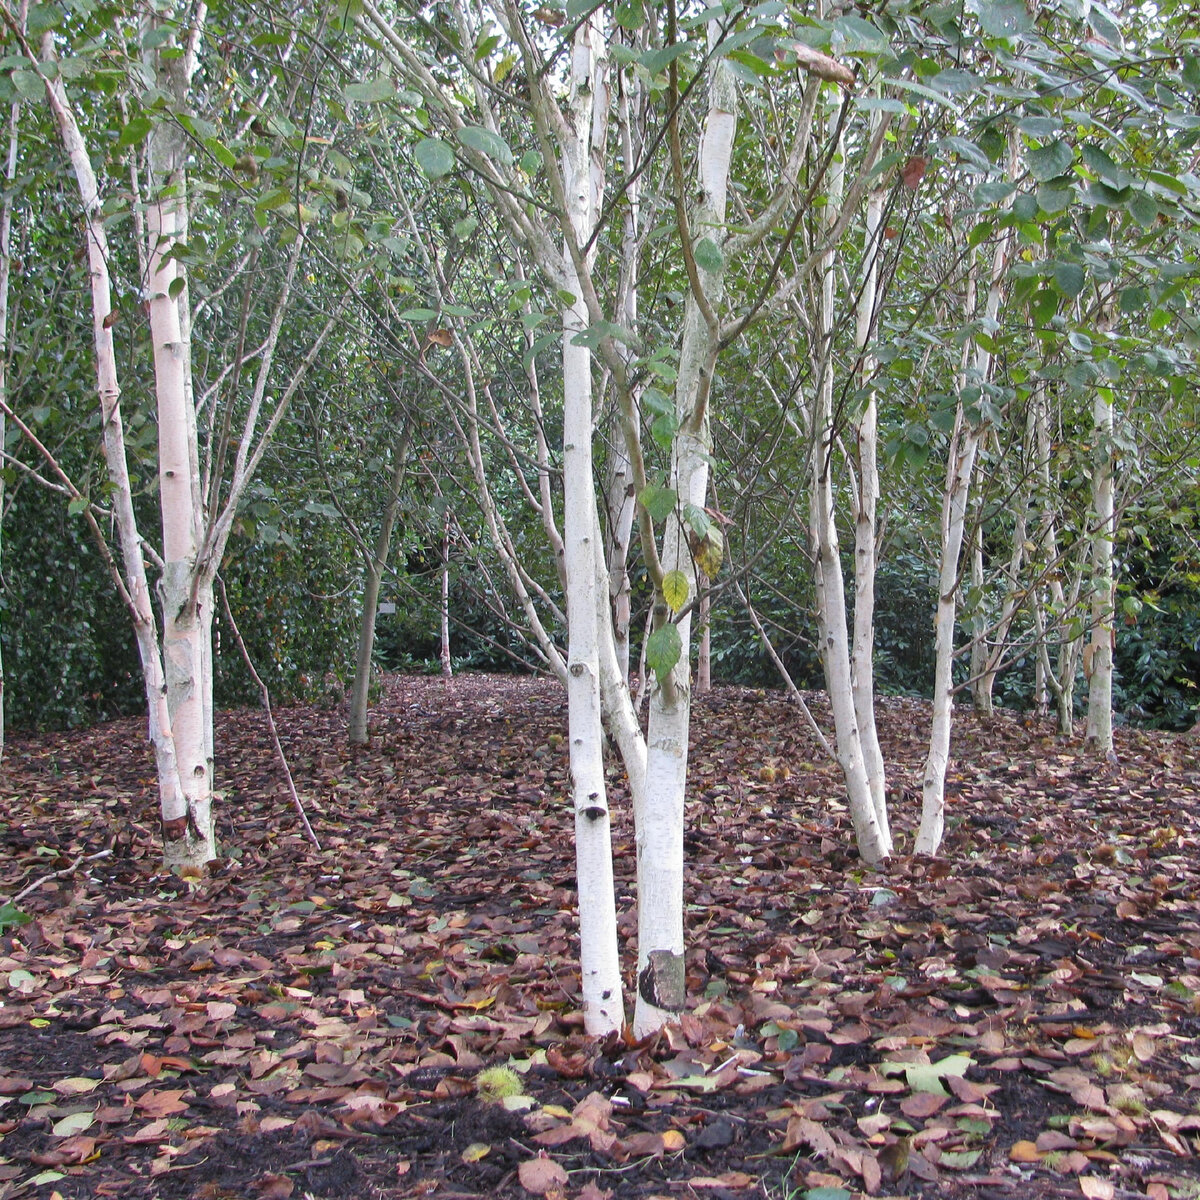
point(603, 1004)
point(1099, 738)
point(360, 689)
point(659, 811)
point(964, 445)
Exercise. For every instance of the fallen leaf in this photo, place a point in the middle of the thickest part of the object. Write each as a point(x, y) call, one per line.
point(541, 1176)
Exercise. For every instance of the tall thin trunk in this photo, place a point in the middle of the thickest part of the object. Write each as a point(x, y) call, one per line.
point(1103, 628)
point(186, 596)
point(866, 528)
point(444, 605)
point(704, 656)
point(981, 697)
point(133, 587)
point(659, 812)
point(10, 173)
point(833, 628)
point(360, 689)
point(603, 1003)
point(964, 445)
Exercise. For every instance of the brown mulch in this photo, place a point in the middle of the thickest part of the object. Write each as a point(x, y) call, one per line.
point(1016, 1018)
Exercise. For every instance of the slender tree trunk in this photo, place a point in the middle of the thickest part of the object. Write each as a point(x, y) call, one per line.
point(981, 697)
point(704, 657)
point(10, 173)
point(1103, 585)
point(133, 587)
point(866, 503)
point(447, 665)
point(964, 445)
point(871, 836)
point(360, 690)
point(659, 812)
point(186, 591)
point(603, 1004)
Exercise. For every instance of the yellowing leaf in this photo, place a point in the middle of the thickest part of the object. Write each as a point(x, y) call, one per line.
point(673, 1140)
point(709, 552)
point(675, 590)
point(1025, 1152)
point(475, 1151)
point(77, 1085)
point(72, 1124)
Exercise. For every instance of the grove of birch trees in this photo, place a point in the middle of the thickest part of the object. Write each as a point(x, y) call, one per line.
point(637, 323)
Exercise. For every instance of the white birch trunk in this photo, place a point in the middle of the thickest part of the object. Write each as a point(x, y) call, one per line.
point(833, 628)
point(964, 445)
point(862, 666)
point(444, 607)
point(186, 593)
point(981, 698)
point(173, 802)
point(603, 1004)
point(1103, 598)
point(659, 811)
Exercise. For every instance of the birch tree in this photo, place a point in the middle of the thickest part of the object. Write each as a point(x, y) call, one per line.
point(198, 501)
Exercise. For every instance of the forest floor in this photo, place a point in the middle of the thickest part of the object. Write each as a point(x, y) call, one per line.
point(1017, 1018)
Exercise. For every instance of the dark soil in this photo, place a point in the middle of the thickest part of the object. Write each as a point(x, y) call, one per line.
point(1017, 1018)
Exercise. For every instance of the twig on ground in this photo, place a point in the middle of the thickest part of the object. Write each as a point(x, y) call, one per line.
point(37, 883)
point(266, 701)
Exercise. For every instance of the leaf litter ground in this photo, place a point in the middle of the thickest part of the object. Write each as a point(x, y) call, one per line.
point(1017, 1018)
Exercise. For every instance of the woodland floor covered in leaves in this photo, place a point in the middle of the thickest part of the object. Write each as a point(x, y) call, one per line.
point(1015, 1019)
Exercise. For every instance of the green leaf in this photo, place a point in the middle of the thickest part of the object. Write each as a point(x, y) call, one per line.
point(1049, 161)
point(663, 430)
point(656, 61)
point(629, 14)
point(77, 505)
point(658, 402)
point(675, 590)
point(218, 150)
point(434, 157)
point(696, 519)
point(1105, 27)
point(1142, 209)
point(136, 132)
point(464, 228)
point(1080, 341)
point(1070, 278)
point(708, 256)
point(370, 91)
point(663, 650)
point(659, 502)
point(484, 141)
point(72, 1124)
point(11, 915)
point(1003, 18)
point(418, 314)
point(860, 35)
point(1101, 162)
point(29, 84)
point(1053, 199)
point(826, 1193)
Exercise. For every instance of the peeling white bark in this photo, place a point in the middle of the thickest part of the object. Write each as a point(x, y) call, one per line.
point(659, 810)
point(603, 1004)
point(1103, 585)
point(964, 446)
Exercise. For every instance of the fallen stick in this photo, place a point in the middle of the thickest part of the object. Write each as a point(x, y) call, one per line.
point(37, 883)
point(266, 700)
